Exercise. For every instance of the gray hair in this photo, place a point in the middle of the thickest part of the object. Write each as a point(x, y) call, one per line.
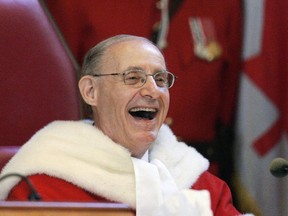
point(93, 59)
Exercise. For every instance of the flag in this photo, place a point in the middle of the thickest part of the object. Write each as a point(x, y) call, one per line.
point(262, 116)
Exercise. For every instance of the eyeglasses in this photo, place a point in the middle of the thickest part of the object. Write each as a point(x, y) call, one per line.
point(138, 78)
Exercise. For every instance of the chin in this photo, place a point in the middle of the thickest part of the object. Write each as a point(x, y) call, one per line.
point(148, 137)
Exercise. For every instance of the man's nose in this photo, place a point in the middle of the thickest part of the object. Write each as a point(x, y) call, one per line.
point(150, 88)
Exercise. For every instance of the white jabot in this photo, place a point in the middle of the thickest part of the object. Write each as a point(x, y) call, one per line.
point(146, 156)
point(157, 193)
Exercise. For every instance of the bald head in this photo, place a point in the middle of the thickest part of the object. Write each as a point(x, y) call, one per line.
point(93, 59)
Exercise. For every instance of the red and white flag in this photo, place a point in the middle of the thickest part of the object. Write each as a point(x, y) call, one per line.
point(262, 120)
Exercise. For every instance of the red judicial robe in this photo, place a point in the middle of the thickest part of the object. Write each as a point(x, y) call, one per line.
point(74, 161)
point(55, 189)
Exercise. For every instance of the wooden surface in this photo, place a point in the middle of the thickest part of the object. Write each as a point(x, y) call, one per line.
point(63, 209)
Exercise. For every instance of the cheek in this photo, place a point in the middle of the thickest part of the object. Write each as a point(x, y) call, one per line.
point(116, 100)
point(166, 99)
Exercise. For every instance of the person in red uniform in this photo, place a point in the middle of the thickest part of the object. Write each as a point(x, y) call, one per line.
point(127, 155)
point(201, 41)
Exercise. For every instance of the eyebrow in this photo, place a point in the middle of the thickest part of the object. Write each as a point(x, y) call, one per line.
point(140, 68)
point(134, 68)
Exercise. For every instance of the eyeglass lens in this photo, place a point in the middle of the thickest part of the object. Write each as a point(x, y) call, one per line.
point(138, 78)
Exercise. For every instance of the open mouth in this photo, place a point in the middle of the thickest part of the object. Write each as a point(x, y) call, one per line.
point(143, 113)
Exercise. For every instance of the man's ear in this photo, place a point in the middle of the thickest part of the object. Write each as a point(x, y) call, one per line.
point(87, 87)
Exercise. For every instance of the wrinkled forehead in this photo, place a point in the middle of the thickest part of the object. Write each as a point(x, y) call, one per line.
point(134, 52)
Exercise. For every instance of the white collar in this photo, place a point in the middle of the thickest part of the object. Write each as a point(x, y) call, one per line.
point(145, 157)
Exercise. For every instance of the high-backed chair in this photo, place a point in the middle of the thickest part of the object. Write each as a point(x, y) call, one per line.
point(6, 153)
point(38, 78)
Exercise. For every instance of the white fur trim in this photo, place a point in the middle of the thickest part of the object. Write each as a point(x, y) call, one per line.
point(84, 156)
point(177, 156)
point(80, 154)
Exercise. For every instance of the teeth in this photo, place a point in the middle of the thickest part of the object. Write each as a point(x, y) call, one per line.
point(143, 109)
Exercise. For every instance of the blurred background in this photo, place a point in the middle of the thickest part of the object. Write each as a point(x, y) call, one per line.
point(230, 57)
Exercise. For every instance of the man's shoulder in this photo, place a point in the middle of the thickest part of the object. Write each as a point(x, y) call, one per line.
point(208, 181)
point(52, 189)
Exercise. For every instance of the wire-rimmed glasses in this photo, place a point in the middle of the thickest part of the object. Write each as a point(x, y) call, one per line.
point(138, 78)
